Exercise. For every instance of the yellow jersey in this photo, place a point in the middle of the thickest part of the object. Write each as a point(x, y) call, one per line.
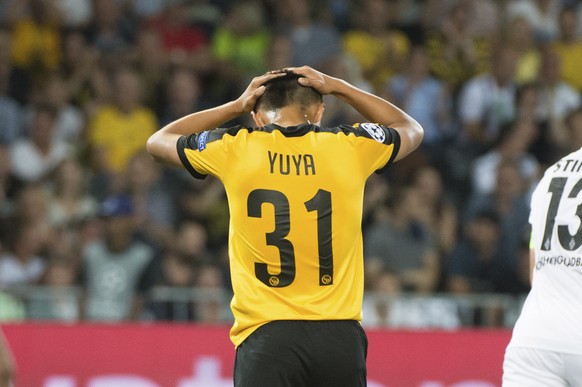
point(295, 198)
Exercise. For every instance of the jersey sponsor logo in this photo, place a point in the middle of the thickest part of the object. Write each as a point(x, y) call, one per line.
point(558, 260)
point(202, 138)
point(375, 131)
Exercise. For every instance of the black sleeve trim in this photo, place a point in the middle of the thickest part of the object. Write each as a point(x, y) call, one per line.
point(183, 143)
point(396, 142)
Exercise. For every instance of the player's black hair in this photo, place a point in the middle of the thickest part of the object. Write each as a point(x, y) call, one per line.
point(286, 90)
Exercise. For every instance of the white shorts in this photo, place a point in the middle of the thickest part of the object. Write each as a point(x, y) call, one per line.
point(531, 367)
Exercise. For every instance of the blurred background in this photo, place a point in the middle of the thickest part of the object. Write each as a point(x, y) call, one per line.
point(91, 229)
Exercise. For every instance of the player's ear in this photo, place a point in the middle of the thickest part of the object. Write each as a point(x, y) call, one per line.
point(258, 118)
point(319, 113)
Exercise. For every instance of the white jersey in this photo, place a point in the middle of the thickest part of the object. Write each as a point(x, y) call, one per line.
point(551, 317)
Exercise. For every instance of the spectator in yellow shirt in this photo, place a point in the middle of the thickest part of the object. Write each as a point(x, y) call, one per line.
point(569, 48)
point(380, 50)
point(119, 131)
point(36, 44)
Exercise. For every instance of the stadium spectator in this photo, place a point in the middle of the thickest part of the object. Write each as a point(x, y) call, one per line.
point(119, 131)
point(456, 53)
point(179, 36)
point(280, 51)
point(241, 42)
point(153, 65)
point(70, 119)
point(518, 33)
point(36, 47)
point(69, 203)
point(31, 207)
point(212, 307)
point(568, 46)
point(153, 196)
point(336, 111)
point(81, 72)
point(314, 43)
point(401, 243)
point(514, 140)
point(10, 110)
point(75, 14)
point(487, 101)
point(380, 49)
point(555, 100)
point(9, 185)
point(573, 123)
point(204, 202)
point(118, 269)
point(60, 299)
point(437, 211)
point(541, 14)
point(111, 31)
point(191, 245)
point(509, 201)
point(34, 158)
point(181, 95)
point(183, 268)
point(178, 273)
point(479, 264)
point(21, 262)
point(428, 99)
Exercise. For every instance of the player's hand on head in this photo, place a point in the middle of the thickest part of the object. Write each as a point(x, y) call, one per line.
point(312, 78)
point(255, 89)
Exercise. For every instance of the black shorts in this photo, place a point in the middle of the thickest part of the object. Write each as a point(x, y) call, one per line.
point(303, 354)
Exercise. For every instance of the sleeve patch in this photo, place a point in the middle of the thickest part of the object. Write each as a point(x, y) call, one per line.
point(375, 131)
point(201, 140)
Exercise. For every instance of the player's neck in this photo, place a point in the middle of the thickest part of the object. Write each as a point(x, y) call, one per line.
point(287, 116)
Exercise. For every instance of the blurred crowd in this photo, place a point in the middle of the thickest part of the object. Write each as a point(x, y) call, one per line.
point(83, 83)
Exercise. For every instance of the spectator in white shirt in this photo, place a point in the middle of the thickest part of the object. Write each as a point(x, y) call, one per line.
point(34, 157)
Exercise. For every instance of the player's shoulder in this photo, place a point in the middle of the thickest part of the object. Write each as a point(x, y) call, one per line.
point(201, 140)
point(373, 131)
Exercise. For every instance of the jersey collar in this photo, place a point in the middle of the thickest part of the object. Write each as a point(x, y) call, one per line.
point(291, 131)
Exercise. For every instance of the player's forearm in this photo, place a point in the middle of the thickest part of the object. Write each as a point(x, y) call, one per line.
point(204, 120)
point(162, 144)
point(380, 111)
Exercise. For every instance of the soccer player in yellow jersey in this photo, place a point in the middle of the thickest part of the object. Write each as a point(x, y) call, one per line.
point(295, 192)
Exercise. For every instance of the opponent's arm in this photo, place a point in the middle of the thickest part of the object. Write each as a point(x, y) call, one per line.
point(372, 107)
point(162, 144)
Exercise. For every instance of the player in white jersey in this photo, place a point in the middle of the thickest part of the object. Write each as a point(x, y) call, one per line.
point(546, 346)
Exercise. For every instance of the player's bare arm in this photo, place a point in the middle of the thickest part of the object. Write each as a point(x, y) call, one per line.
point(372, 107)
point(162, 144)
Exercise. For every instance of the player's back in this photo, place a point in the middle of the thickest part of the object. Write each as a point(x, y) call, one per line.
point(552, 314)
point(295, 198)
